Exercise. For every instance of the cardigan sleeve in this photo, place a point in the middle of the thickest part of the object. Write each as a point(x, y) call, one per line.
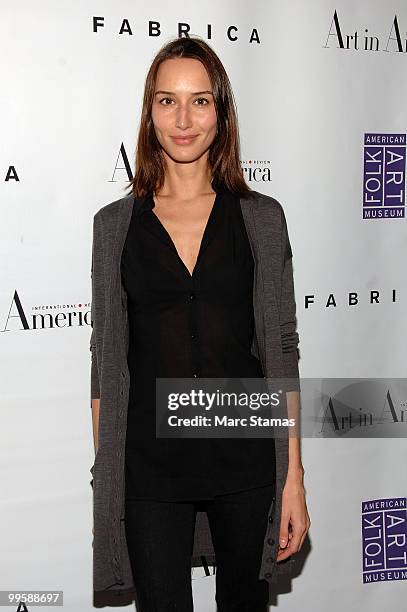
point(288, 327)
point(97, 302)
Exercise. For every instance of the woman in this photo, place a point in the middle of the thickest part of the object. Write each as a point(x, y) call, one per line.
point(176, 293)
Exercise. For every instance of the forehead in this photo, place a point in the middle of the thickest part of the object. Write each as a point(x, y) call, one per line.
point(182, 73)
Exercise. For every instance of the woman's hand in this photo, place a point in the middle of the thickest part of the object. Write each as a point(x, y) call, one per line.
point(295, 520)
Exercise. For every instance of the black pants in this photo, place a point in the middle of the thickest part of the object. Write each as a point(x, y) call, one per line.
point(160, 536)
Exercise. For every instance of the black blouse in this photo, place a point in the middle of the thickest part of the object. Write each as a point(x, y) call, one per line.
point(183, 325)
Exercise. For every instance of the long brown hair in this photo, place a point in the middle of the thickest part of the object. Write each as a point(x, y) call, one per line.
point(224, 153)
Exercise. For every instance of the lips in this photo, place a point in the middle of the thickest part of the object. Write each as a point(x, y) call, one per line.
point(183, 139)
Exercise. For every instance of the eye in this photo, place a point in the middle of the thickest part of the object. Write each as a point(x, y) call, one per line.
point(204, 100)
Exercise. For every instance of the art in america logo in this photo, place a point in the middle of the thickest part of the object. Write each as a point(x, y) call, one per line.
point(384, 539)
point(255, 170)
point(45, 316)
point(384, 176)
point(392, 41)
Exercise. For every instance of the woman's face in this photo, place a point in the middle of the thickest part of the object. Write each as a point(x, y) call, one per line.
point(183, 107)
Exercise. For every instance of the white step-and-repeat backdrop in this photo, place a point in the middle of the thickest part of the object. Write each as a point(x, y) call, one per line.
point(321, 92)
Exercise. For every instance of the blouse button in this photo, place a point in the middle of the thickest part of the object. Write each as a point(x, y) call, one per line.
point(195, 375)
point(191, 296)
point(193, 336)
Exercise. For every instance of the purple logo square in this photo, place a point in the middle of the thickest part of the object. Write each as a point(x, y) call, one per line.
point(384, 176)
point(384, 539)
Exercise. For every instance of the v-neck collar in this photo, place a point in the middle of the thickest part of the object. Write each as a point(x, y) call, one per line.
point(151, 221)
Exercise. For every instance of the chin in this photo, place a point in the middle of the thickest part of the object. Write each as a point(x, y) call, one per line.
point(184, 156)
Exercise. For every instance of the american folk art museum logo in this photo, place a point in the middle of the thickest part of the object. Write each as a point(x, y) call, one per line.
point(384, 539)
point(384, 176)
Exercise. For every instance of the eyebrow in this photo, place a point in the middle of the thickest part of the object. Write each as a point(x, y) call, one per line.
point(171, 93)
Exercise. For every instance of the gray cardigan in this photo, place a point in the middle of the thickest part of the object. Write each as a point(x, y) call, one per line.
point(275, 343)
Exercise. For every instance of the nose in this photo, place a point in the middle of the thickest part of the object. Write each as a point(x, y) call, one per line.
point(183, 117)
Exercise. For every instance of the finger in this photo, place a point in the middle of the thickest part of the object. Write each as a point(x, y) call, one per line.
point(292, 546)
point(305, 533)
point(299, 534)
point(302, 540)
point(283, 537)
point(284, 553)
